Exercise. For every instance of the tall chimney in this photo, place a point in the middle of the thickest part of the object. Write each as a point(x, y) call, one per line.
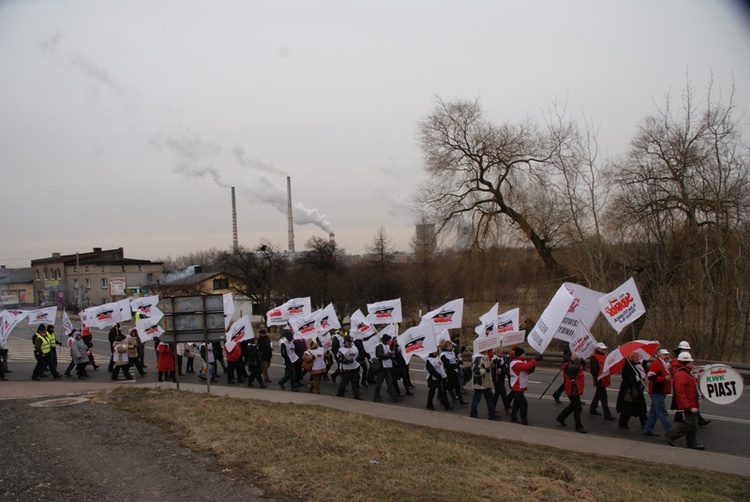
point(235, 244)
point(289, 212)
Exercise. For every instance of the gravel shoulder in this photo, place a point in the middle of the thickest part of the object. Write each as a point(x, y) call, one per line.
point(94, 452)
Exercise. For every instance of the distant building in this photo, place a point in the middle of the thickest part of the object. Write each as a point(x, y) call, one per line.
point(17, 283)
point(92, 278)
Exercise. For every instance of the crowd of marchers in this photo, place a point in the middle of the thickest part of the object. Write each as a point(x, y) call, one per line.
point(448, 372)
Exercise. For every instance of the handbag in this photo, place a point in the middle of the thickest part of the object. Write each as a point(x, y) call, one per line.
point(377, 364)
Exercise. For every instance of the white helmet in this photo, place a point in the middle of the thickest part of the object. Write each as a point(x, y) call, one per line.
point(685, 357)
point(684, 345)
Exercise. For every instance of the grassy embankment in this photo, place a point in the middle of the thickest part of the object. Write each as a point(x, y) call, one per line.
point(321, 454)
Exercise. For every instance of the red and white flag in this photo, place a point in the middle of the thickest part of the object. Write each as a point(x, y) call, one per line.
point(583, 344)
point(622, 306)
point(241, 330)
point(418, 341)
point(8, 320)
point(307, 326)
point(617, 358)
point(280, 315)
point(488, 323)
point(67, 326)
point(146, 306)
point(148, 328)
point(449, 316)
point(46, 315)
point(106, 315)
point(328, 320)
point(385, 312)
point(508, 321)
point(360, 327)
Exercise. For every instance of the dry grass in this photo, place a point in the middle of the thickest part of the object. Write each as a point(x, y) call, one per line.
point(327, 455)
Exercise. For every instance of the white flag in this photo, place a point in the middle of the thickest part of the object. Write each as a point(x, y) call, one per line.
point(106, 315)
point(241, 330)
point(448, 316)
point(228, 308)
point(360, 327)
point(148, 328)
point(550, 320)
point(67, 326)
point(417, 341)
point(328, 320)
point(280, 315)
point(582, 344)
point(508, 321)
point(306, 326)
point(42, 316)
point(145, 306)
point(488, 326)
point(8, 320)
point(584, 310)
point(623, 305)
point(123, 306)
point(385, 312)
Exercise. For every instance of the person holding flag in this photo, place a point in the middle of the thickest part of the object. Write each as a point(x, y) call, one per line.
point(659, 386)
point(286, 346)
point(596, 365)
point(574, 380)
point(436, 381)
point(347, 358)
point(384, 354)
point(519, 381)
point(630, 400)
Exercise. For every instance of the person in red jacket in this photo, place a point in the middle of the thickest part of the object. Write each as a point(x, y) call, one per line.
point(574, 380)
point(165, 361)
point(234, 363)
point(659, 387)
point(686, 397)
point(519, 381)
point(596, 365)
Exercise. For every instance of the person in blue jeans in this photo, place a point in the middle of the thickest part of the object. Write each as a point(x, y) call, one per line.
point(659, 386)
point(481, 371)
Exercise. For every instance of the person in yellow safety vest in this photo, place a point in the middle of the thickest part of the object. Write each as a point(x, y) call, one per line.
point(43, 352)
point(53, 343)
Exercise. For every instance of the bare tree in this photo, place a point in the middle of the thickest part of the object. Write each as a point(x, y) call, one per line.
point(685, 195)
point(496, 176)
point(261, 273)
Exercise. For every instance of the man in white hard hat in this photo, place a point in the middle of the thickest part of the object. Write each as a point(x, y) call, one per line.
point(686, 396)
point(683, 346)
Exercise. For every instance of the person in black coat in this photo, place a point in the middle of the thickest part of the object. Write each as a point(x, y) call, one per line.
point(630, 399)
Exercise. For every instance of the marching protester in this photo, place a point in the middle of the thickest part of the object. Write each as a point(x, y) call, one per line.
point(190, 355)
point(254, 364)
point(165, 362)
point(402, 370)
point(659, 386)
point(300, 346)
point(481, 369)
point(519, 381)
point(265, 346)
point(596, 365)
point(114, 331)
point(317, 365)
point(42, 354)
point(79, 353)
point(53, 343)
point(436, 381)
point(286, 346)
point(362, 358)
point(218, 358)
point(209, 362)
point(630, 399)
point(574, 380)
point(686, 397)
point(336, 344)
point(384, 358)
point(683, 346)
point(347, 359)
point(132, 342)
point(234, 364)
point(500, 371)
point(451, 365)
point(120, 358)
point(180, 352)
point(88, 339)
point(566, 359)
point(72, 364)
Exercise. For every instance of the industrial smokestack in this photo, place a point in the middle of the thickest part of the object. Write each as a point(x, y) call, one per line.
point(332, 239)
point(289, 212)
point(235, 243)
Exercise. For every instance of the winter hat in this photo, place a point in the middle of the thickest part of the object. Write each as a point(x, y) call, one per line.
point(519, 352)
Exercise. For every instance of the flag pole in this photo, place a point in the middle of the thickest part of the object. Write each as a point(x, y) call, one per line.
point(550, 384)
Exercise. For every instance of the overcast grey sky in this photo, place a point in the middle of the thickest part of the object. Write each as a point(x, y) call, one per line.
point(124, 122)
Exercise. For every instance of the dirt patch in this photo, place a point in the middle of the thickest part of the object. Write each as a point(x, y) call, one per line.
point(95, 452)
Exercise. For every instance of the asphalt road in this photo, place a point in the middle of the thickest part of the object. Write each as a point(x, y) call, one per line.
point(728, 432)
